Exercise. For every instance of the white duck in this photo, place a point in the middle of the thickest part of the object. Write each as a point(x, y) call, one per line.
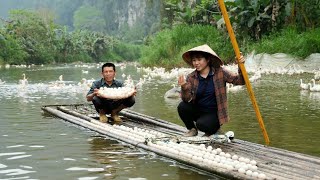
point(23, 81)
point(2, 82)
point(60, 82)
point(140, 83)
point(317, 75)
point(86, 84)
point(255, 77)
point(232, 88)
point(314, 86)
point(303, 86)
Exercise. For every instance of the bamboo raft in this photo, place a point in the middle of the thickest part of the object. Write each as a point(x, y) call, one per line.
point(273, 163)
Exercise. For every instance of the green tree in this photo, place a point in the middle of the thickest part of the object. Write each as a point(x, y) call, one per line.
point(304, 14)
point(11, 51)
point(252, 17)
point(35, 32)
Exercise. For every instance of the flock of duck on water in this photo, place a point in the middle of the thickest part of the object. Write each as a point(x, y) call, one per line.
point(311, 86)
point(148, 74)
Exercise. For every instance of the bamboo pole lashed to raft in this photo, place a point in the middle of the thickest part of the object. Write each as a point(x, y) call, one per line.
point(243, 70)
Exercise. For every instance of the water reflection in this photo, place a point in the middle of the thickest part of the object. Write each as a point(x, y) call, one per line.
point(128, 162)
point(310, 99)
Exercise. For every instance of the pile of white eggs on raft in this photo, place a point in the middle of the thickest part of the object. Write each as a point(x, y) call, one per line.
point(116, 93)
point(135, 133)
point(200, 155)
point(210, 158)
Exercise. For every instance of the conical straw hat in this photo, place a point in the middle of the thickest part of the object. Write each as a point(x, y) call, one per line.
point(203, 48)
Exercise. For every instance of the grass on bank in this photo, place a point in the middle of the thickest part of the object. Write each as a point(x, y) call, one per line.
point(166, 47)
point(289, 41)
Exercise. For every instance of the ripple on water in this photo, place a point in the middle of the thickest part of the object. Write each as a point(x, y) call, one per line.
point(3, 166)
point(95, 169)
point(15, 172)
point(87, 178)
point(69, 159)
point(26, 167)
point(11, 153)
point(111, 152)
point(19, 157)
point(85, 169)
point(19, 145)
point(36, 146)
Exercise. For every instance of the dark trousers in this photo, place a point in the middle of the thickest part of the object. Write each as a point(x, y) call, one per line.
point(192, 117)
point(108, 105)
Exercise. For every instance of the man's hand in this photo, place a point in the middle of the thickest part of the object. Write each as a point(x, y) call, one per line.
point(135, 91)
point(92, 95)
point(181, 80)
point(95, 92)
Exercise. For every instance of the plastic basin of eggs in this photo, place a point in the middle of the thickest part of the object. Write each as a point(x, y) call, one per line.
point(116, 93)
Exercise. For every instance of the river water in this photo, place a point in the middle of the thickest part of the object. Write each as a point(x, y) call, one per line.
point(37, 146)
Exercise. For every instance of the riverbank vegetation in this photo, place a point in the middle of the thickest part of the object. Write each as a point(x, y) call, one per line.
point(290, 27)
point(88, 34)
point(33, 38)
point(289, 41)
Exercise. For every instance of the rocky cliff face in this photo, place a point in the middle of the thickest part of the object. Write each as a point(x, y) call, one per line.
point(136, 9)
point(130, 13)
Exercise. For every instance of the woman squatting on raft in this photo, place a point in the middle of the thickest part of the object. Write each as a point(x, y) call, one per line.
point(203, 92)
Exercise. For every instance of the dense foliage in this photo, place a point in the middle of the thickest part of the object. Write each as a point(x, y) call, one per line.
point(120, 19)
point(287, 26)
point(251, 18)
point(33, 38)
point(156, 32)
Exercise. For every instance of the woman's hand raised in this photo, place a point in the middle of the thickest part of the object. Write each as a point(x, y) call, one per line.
point(181, 80)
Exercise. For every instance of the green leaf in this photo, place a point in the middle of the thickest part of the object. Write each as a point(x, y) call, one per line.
point(251, 22)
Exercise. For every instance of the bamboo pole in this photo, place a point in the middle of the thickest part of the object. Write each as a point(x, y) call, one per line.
point(152, 121)
point(146, 116)
point(243, 70)
point(127, 114)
